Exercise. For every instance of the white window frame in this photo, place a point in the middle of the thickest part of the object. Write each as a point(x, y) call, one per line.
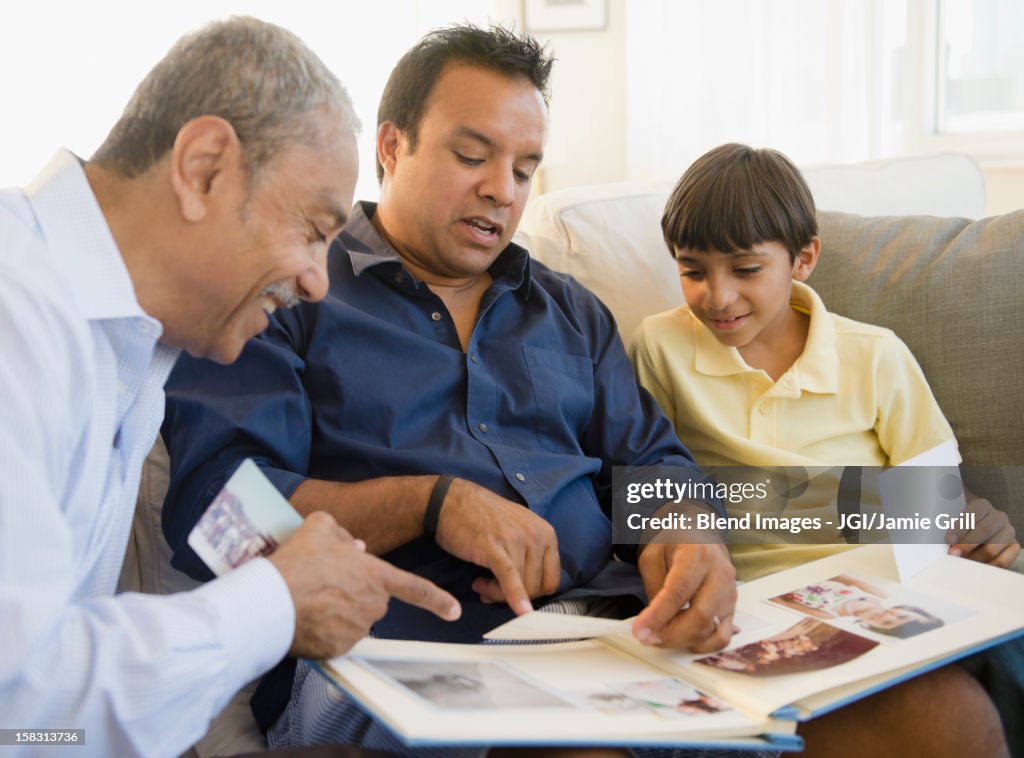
point(921, 97)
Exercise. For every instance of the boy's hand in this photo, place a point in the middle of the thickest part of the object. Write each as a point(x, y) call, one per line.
point(992, 540)
point(693, 596)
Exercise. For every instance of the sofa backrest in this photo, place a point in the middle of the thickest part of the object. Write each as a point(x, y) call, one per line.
point(946, 184)
point(609, 236)
point(952, 289)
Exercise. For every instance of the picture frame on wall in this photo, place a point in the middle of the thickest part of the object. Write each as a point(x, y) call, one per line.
point(565, 15)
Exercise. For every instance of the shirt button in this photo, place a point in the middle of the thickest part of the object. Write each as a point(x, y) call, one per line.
point(764, 409)
point(436, 316)
point(520, 477)
point(482, 427)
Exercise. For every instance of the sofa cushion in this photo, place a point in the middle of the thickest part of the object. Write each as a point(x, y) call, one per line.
point(609, 238)
point(947, 184)
point(147, 565)
point(951, 289)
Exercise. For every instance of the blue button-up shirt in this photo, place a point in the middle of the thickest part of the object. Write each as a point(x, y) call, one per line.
point(374, 382)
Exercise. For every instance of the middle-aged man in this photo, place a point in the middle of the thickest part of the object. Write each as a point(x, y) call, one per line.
point(453, 403)
point(209, 204)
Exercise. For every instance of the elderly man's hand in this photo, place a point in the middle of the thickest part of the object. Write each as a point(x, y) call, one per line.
point(992, 540)
point(515, 544)
point(693, 596)
point(340, 590)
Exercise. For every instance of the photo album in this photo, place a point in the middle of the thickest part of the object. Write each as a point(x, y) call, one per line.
point(809, 640)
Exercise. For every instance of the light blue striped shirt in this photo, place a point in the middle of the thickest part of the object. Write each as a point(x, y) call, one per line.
point(81, 400)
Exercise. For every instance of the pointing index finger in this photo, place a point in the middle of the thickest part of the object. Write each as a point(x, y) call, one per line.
point(511, 583)
point(420, 592)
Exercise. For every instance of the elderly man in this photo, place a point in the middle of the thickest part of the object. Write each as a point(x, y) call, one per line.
point(453, 403)
point(210, 204)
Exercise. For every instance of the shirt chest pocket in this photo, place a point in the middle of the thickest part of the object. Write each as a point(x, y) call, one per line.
point(563, 391)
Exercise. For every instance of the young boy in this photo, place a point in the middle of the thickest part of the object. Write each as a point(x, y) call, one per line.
point(754, 371)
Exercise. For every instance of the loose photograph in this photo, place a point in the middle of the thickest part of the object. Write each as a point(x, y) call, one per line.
point(247, 518)
point(226, 537)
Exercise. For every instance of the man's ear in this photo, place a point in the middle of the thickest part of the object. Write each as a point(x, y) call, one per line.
point(206, 155)
point(806, 259)
point(389, 144)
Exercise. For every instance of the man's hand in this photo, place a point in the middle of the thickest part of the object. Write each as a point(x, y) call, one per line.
point(340, 590)
point(693, 596)
point(518, 546)
point(992, 540)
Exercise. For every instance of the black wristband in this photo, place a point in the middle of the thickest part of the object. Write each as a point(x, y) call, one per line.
point(433, 511)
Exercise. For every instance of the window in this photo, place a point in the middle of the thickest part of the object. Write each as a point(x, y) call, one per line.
point(963, 85)
point(980, 72)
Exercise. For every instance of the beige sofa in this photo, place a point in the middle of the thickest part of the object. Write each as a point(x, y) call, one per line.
point(944, 284)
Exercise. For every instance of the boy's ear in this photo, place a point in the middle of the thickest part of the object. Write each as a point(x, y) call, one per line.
point(806, 259)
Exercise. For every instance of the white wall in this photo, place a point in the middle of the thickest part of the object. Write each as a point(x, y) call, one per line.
point(587, 137)
point(64, 83)
point(66, 70)
point(1004, 187)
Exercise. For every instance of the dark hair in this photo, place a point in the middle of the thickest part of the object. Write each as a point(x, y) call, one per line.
point(259, 77)
point(734, 197)
point(502, 50)
point(911, 628)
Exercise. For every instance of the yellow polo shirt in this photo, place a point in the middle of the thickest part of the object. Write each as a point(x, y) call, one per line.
point(855, 396)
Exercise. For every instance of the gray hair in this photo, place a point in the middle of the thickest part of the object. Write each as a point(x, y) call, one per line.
point(260, 78)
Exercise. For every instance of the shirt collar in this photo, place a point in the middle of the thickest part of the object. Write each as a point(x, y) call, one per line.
point(80, 241)
point(373, 249)
point(817, 368)
point(512, 267)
